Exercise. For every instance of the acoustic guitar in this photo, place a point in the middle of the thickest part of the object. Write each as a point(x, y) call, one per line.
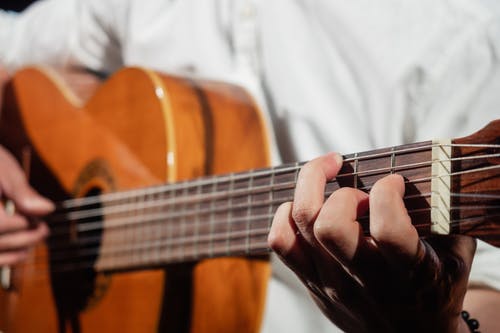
point(156, 216)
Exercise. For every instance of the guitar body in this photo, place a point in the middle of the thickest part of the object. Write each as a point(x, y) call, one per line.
point(140, 128)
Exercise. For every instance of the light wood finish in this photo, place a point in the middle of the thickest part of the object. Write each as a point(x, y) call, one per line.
point(121, 139)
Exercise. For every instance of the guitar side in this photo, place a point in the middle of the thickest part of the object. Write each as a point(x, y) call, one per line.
point(140, 128)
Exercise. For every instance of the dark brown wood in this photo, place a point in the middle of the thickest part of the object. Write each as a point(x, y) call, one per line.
point(476, 205)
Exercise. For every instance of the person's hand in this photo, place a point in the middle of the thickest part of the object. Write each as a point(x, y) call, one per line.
point(392, 281)
point(20, 228)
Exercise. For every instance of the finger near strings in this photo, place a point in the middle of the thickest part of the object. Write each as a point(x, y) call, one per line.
point(310, 189)
point(8, 258)
point(390, 224)
point(23, 239)
point(336, 227)
point(283, 239)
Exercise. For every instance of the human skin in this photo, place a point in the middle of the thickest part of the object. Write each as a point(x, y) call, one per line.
point(392, 281)
point(22, 228)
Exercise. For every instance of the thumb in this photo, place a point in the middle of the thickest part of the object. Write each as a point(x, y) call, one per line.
point(29, 202)
point(14, 187)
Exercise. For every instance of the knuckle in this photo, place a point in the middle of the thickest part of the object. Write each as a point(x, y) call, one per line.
point(277, 243)
point(389, 231)
point(329, 231)
point(323, 230)
point(303, 215)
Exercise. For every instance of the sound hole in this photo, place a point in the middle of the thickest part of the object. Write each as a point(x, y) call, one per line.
point(74, 247)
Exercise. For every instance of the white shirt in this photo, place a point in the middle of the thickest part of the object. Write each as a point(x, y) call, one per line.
point(330, 76)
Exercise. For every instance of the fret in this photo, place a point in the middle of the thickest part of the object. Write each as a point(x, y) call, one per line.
point(239, 206)
point(212, 221)
point(169, 246)
point(355, 172)
point(129, 234)
point(205, 216)
point(229, 214)
point(141, 227)
point(393, 161)
point(182, 221)
point(249, 214)
point(155, 231)
point(284, 182)
point(144, 225)
point(190, 218)
point(197, 223)
point(271, 200)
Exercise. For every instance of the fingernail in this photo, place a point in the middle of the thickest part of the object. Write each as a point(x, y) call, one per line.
point(338, 158)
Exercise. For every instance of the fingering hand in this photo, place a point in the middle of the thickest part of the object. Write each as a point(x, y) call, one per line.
point(392, 281)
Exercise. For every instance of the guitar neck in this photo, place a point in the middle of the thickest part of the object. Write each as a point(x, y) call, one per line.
point(231, 215)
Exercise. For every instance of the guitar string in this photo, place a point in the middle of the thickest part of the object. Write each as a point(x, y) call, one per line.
point(65, 266)
point(470, 171)
point(114, 222)
point(237, 233)
point(225, 222)
point(123, 207)
point(62, 265)
point(224, 234)
point(165, 188)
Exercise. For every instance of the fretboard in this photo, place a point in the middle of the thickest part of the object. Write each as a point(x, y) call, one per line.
point(226, 215)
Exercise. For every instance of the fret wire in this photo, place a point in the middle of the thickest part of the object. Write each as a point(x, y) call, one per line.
point(141, 226)
point(249, 205)
point(229, 215)
point(134, 235)
point(212, 217)
point(271, 199)
point(393, 160)
point(356, 165)
point(169, 224)
point(183, 220)
point(196, 223)
point(157, 230)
